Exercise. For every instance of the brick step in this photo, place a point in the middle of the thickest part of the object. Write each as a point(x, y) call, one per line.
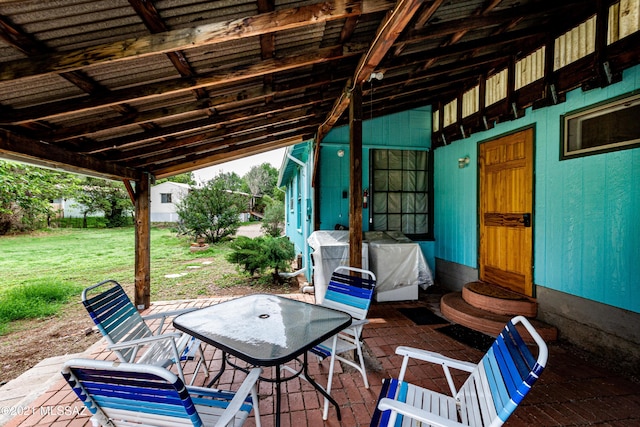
point(495, 299)
point(457, 310)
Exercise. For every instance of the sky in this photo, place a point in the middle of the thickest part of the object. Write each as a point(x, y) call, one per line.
point(241, 166)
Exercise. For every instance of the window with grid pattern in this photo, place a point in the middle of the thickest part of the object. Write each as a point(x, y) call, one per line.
point(401, 196)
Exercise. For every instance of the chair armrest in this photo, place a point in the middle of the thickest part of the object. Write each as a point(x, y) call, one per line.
point(356, 322)
point(430, 356)
point(416, 414)
point(238, 399)
point(143, 341)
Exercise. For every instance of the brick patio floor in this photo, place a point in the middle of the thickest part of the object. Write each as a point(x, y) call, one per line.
point(573, 391)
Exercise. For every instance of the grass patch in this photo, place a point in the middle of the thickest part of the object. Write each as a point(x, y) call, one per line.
point(33, 300)
point(73, 259)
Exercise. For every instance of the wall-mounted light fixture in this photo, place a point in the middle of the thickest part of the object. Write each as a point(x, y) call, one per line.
point(341, 153)
point(463, 162)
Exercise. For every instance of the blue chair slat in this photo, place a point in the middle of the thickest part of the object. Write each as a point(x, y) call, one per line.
point(321, 350)
point(519, 342)
point(148, 395)
point(508, 370)
point(346, 299)
point(350, 290)
point(362, 282)
point(119, 321)
point(493, 390)
point(189, 352)
point(516, 353)
point(389, 389)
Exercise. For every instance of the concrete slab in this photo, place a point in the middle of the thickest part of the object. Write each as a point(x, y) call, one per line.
point(19, 393)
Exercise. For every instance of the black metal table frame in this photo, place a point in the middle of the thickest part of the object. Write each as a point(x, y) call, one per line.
point(278, 380)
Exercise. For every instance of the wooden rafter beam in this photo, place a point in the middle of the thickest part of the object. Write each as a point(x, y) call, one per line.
point(18, 147)
point(147, 11)
point(203, 147)
point(389, 30)
point(154, 90)
point(226, 154)
point(181, 39)
point(179, 146)
point(535, 10)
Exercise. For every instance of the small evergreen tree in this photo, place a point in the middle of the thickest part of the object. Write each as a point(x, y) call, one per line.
point(211, 212)
point(260, 253)
point(273, 221)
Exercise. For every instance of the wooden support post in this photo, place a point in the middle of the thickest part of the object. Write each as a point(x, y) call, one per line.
point(355, 177)
point(143, 244)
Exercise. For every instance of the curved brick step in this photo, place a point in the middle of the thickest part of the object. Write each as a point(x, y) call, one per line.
point(457, 310)
point(486, 296)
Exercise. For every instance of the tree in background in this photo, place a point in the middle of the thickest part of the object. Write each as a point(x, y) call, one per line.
point(211, 212)
point(232, 181)
point(262, 179)
point(26, 193)
point(110, 197)
point(273, 220)
point(183, 178)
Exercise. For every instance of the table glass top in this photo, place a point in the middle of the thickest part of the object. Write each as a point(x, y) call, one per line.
point(263, 329)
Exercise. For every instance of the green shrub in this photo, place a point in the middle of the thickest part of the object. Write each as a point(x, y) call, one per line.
point(260, 253)
point(34, 300)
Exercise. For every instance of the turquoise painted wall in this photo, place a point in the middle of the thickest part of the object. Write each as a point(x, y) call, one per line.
point(298, 220)
point(587, 229)
point(404, 131)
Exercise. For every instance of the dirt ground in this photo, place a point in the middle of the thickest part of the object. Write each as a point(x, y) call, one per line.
point(71, 332)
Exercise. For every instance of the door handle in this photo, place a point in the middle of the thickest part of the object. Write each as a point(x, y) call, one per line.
point(526, 219)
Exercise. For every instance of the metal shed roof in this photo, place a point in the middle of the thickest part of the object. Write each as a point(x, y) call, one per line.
point(119, 88)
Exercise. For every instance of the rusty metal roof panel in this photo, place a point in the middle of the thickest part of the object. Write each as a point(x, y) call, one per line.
point(155, 112)
point(186, 13)
point(138, 71)
point(74, 24)
point(225, 56)
point(27, 92)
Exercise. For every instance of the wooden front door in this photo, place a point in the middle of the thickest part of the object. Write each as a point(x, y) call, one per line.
point(506, 217)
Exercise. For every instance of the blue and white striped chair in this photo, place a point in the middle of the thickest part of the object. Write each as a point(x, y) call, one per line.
point(350, 290)
point(130, 337)
point(126, 394)
point(493, 390)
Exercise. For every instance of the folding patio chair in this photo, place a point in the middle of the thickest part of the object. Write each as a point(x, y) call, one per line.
point(492, 391)
point(130, 337)
point(126, 394)
point(350, 290)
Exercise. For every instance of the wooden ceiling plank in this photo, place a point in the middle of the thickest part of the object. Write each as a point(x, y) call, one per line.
point(535, 10)
point(39, 152)
point(154, 90)
point(226, 154)
point(207, 125)
point(180, 39)
point(186, 110)
point(188, 146)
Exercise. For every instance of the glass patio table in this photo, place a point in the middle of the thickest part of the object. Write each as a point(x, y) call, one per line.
point(267, 331)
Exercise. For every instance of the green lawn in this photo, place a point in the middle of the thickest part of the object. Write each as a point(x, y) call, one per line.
point(36, 267)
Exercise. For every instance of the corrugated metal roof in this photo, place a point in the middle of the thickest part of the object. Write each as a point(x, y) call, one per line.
point(121, 87)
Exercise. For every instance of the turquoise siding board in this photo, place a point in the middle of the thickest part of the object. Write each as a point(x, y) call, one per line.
point(455, 202)
point(587, 232)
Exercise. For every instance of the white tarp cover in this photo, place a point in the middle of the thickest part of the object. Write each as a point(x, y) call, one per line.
point(330, 250)
point(395, 259)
